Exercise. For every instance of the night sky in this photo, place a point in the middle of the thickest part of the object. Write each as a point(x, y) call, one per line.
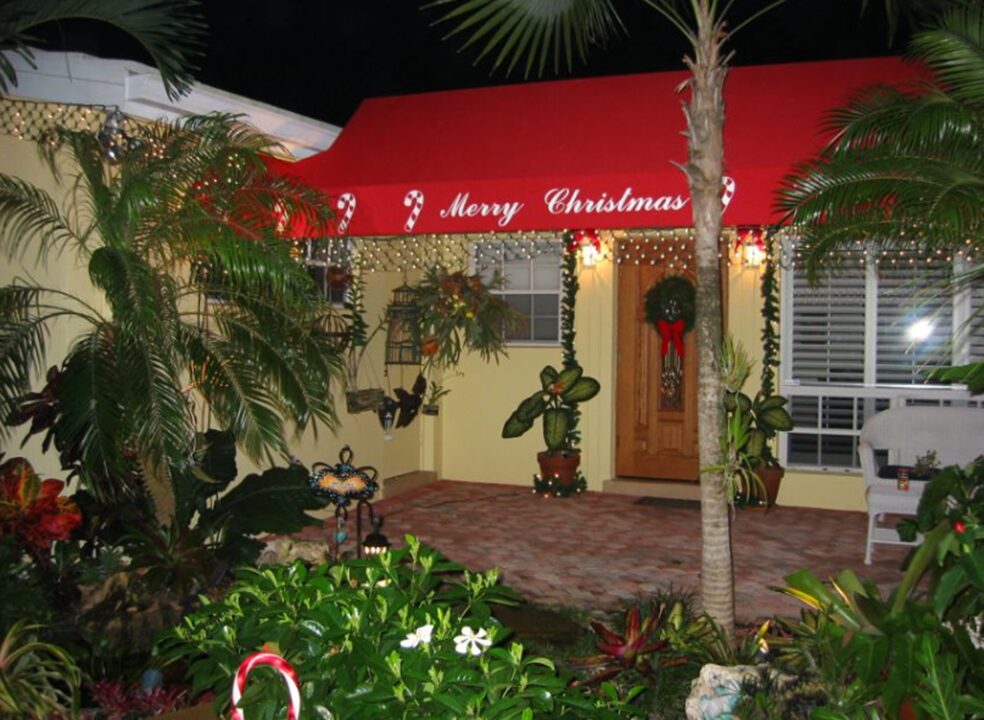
point(321, 58)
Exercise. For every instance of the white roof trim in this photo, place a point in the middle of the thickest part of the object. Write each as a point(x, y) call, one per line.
point(137, 90)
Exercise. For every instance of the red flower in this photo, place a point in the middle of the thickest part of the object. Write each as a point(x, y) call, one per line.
point(959, 527)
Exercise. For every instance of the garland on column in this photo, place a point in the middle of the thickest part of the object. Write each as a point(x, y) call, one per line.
point(570, 286)
point(770, 317)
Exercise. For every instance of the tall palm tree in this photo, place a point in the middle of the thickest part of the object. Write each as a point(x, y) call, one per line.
point(906, 164)
point(172, 32)
point(206, 311)
point(538, 30)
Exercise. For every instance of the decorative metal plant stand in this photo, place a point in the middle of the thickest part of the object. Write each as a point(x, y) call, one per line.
point(341, 485)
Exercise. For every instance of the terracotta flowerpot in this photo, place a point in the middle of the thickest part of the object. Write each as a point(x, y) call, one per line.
point(771, 477)
point(561, 465)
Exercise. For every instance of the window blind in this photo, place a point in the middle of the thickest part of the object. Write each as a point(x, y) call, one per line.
point(914, 326)
point(828, 328)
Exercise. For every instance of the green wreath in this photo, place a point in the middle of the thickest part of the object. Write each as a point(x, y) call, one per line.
point(671, 299)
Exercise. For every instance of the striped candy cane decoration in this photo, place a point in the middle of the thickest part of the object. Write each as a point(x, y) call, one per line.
point(729, 190)
point(278, 664)
point(413, 198)
point(346, 203)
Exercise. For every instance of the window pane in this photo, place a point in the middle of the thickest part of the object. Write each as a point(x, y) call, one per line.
point(546, 273)
point(545, 329)
point(838, 413)
point(839, 451)
point(532, 284)
point(516, 276)
point(828, 328)
point(803, 410)
point(972, 334)
point(914, 322)
point(546, 305)
point(803, 449)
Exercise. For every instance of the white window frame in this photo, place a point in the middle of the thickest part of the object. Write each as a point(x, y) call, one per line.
point(558, 292)
point(869, 390)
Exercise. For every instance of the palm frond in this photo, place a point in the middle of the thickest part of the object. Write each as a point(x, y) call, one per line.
point(22, 346)
point(953, 50)
point(91, 418)
point(297, 364)
point(238, 399)
point(140, 298)
point(904, 165)
point(158, 415)
point(532, 29)
point(172, 33)
point(29, 216)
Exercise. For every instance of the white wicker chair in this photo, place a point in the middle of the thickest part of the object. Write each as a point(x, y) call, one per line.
point(956, 434)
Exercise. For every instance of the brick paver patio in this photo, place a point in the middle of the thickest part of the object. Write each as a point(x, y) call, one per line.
point(598, 550)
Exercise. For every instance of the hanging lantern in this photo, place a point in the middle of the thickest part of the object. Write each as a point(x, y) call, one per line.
point(402, 344)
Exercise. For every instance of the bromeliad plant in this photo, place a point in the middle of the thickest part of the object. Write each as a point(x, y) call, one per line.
point(392, 636)
point(558, 397)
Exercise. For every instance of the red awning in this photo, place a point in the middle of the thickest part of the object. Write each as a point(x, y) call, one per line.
point(595, 153)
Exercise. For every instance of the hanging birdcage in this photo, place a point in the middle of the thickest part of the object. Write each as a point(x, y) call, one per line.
point(402, 343)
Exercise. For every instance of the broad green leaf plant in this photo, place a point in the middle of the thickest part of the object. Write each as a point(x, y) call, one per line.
point(393, 636)
point(197, 305)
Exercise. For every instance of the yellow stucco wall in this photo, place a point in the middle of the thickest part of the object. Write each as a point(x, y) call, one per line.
point(20, 159)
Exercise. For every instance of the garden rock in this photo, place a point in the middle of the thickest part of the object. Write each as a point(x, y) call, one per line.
point(282, 550)
point(716, 692)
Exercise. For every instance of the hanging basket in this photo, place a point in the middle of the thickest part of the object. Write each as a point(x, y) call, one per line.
point(368, 400)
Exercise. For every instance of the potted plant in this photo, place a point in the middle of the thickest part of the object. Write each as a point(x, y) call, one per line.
point(453, 311)
point(556, 401)
point(749, 465)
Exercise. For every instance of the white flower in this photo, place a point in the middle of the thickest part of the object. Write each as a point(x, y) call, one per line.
point(420, 636)
point(472, 642)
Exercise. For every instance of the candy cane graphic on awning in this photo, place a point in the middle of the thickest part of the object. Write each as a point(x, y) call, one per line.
point(414, 198)
point(346, 203)
point(729, 185)
point(278, 664)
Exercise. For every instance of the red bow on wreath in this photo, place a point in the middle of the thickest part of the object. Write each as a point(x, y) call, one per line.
point(671, 332)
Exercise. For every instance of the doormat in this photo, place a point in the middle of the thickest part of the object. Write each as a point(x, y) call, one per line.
point(678, 503)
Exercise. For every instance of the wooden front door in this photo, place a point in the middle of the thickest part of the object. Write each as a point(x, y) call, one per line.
point(656, 429)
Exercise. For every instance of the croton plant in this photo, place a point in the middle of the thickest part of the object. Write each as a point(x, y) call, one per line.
point(32, 510)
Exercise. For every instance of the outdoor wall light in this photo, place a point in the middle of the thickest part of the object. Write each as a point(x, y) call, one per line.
point(751, 245)
point(375, 543)
point(588, 243)
point(753, 254)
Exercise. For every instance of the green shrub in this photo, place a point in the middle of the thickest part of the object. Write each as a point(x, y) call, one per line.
point(386, 637)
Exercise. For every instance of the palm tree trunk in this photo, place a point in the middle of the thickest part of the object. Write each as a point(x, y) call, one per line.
point(705, 131)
